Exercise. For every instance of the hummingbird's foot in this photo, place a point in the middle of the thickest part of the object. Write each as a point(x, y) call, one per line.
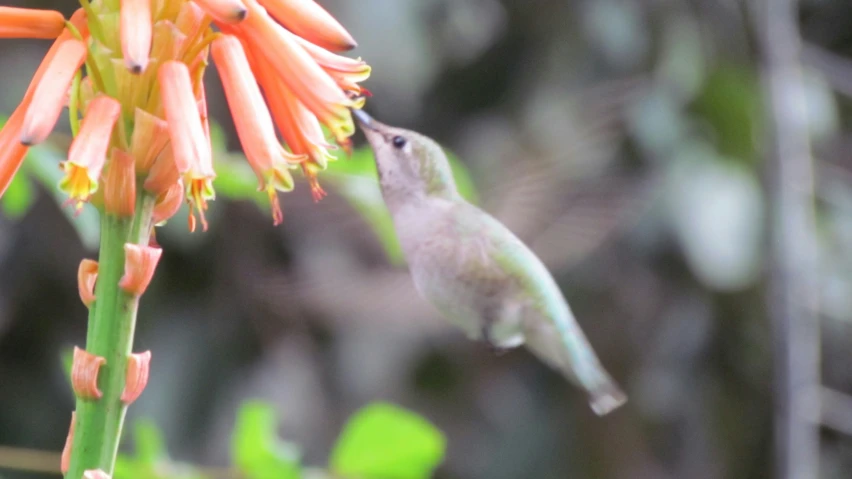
point(490, 344)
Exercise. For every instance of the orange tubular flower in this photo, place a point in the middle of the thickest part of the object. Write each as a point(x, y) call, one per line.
point(49, 97)
point(30, 23)
point(252, 120)
point(12, 152)
point(88, 151)
point(310, 21)
point(299, 127)
point(136, 33)
point(192, 153)
point(273, 44)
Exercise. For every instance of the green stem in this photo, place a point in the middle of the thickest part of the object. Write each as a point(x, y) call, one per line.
point(112, 321)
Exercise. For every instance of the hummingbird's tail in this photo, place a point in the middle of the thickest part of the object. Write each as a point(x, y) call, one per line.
point(606, 397)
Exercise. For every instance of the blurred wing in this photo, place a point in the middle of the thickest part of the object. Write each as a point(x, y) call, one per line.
point(561, 215)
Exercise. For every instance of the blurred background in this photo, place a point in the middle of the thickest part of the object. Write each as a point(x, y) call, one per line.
point(625, 141)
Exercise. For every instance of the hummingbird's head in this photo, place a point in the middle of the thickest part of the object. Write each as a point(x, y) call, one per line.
point(410, 165)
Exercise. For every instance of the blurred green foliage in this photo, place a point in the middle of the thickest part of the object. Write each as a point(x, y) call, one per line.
point(381, 441)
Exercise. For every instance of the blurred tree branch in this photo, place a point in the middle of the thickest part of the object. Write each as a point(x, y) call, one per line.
point(793, 288)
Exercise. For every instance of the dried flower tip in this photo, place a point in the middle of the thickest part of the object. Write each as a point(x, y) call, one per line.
point(95, 474)
point(87, 154)
point(48, 97)
point(84, 374)
point(139, 265)
point(65, 460)
point(312, 22)
point(224, 11)
point(277, 214)
point(310, 171)
point(87, 276)
point(30, 23)
point(138, 366)
point(136, 34)
point(168, 203)
point(120, 184)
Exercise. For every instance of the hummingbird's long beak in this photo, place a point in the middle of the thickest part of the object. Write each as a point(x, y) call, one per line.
point(364, 119)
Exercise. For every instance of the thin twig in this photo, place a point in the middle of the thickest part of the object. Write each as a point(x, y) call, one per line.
point(793, 298)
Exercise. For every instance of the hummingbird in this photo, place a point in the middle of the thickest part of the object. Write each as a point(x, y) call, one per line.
point(473, 269)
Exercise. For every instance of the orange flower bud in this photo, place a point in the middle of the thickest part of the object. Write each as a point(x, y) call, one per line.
point(168, 203)
point(139, 265)
point(30, 23)
point(87, 275)
point(309, 20)
point(87, 154)
point(150, 137)
point(136, 34)
point(48, 98)
point(138, 367)
point(65, 460)
point(224, 11)
point(120, 184)
point(185, 129)
point(84, 374)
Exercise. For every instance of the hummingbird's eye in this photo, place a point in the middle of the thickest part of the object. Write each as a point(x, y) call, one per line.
point(398, 142)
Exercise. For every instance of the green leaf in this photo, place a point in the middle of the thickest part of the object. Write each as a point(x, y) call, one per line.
point(731, 104)
point(383, 441)
point(18, 198)
point(151, 460)
point(257, 451)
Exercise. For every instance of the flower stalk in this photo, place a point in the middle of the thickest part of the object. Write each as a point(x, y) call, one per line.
point(112, 321)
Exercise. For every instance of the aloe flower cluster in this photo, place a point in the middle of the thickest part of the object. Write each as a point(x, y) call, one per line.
point(130, 73)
